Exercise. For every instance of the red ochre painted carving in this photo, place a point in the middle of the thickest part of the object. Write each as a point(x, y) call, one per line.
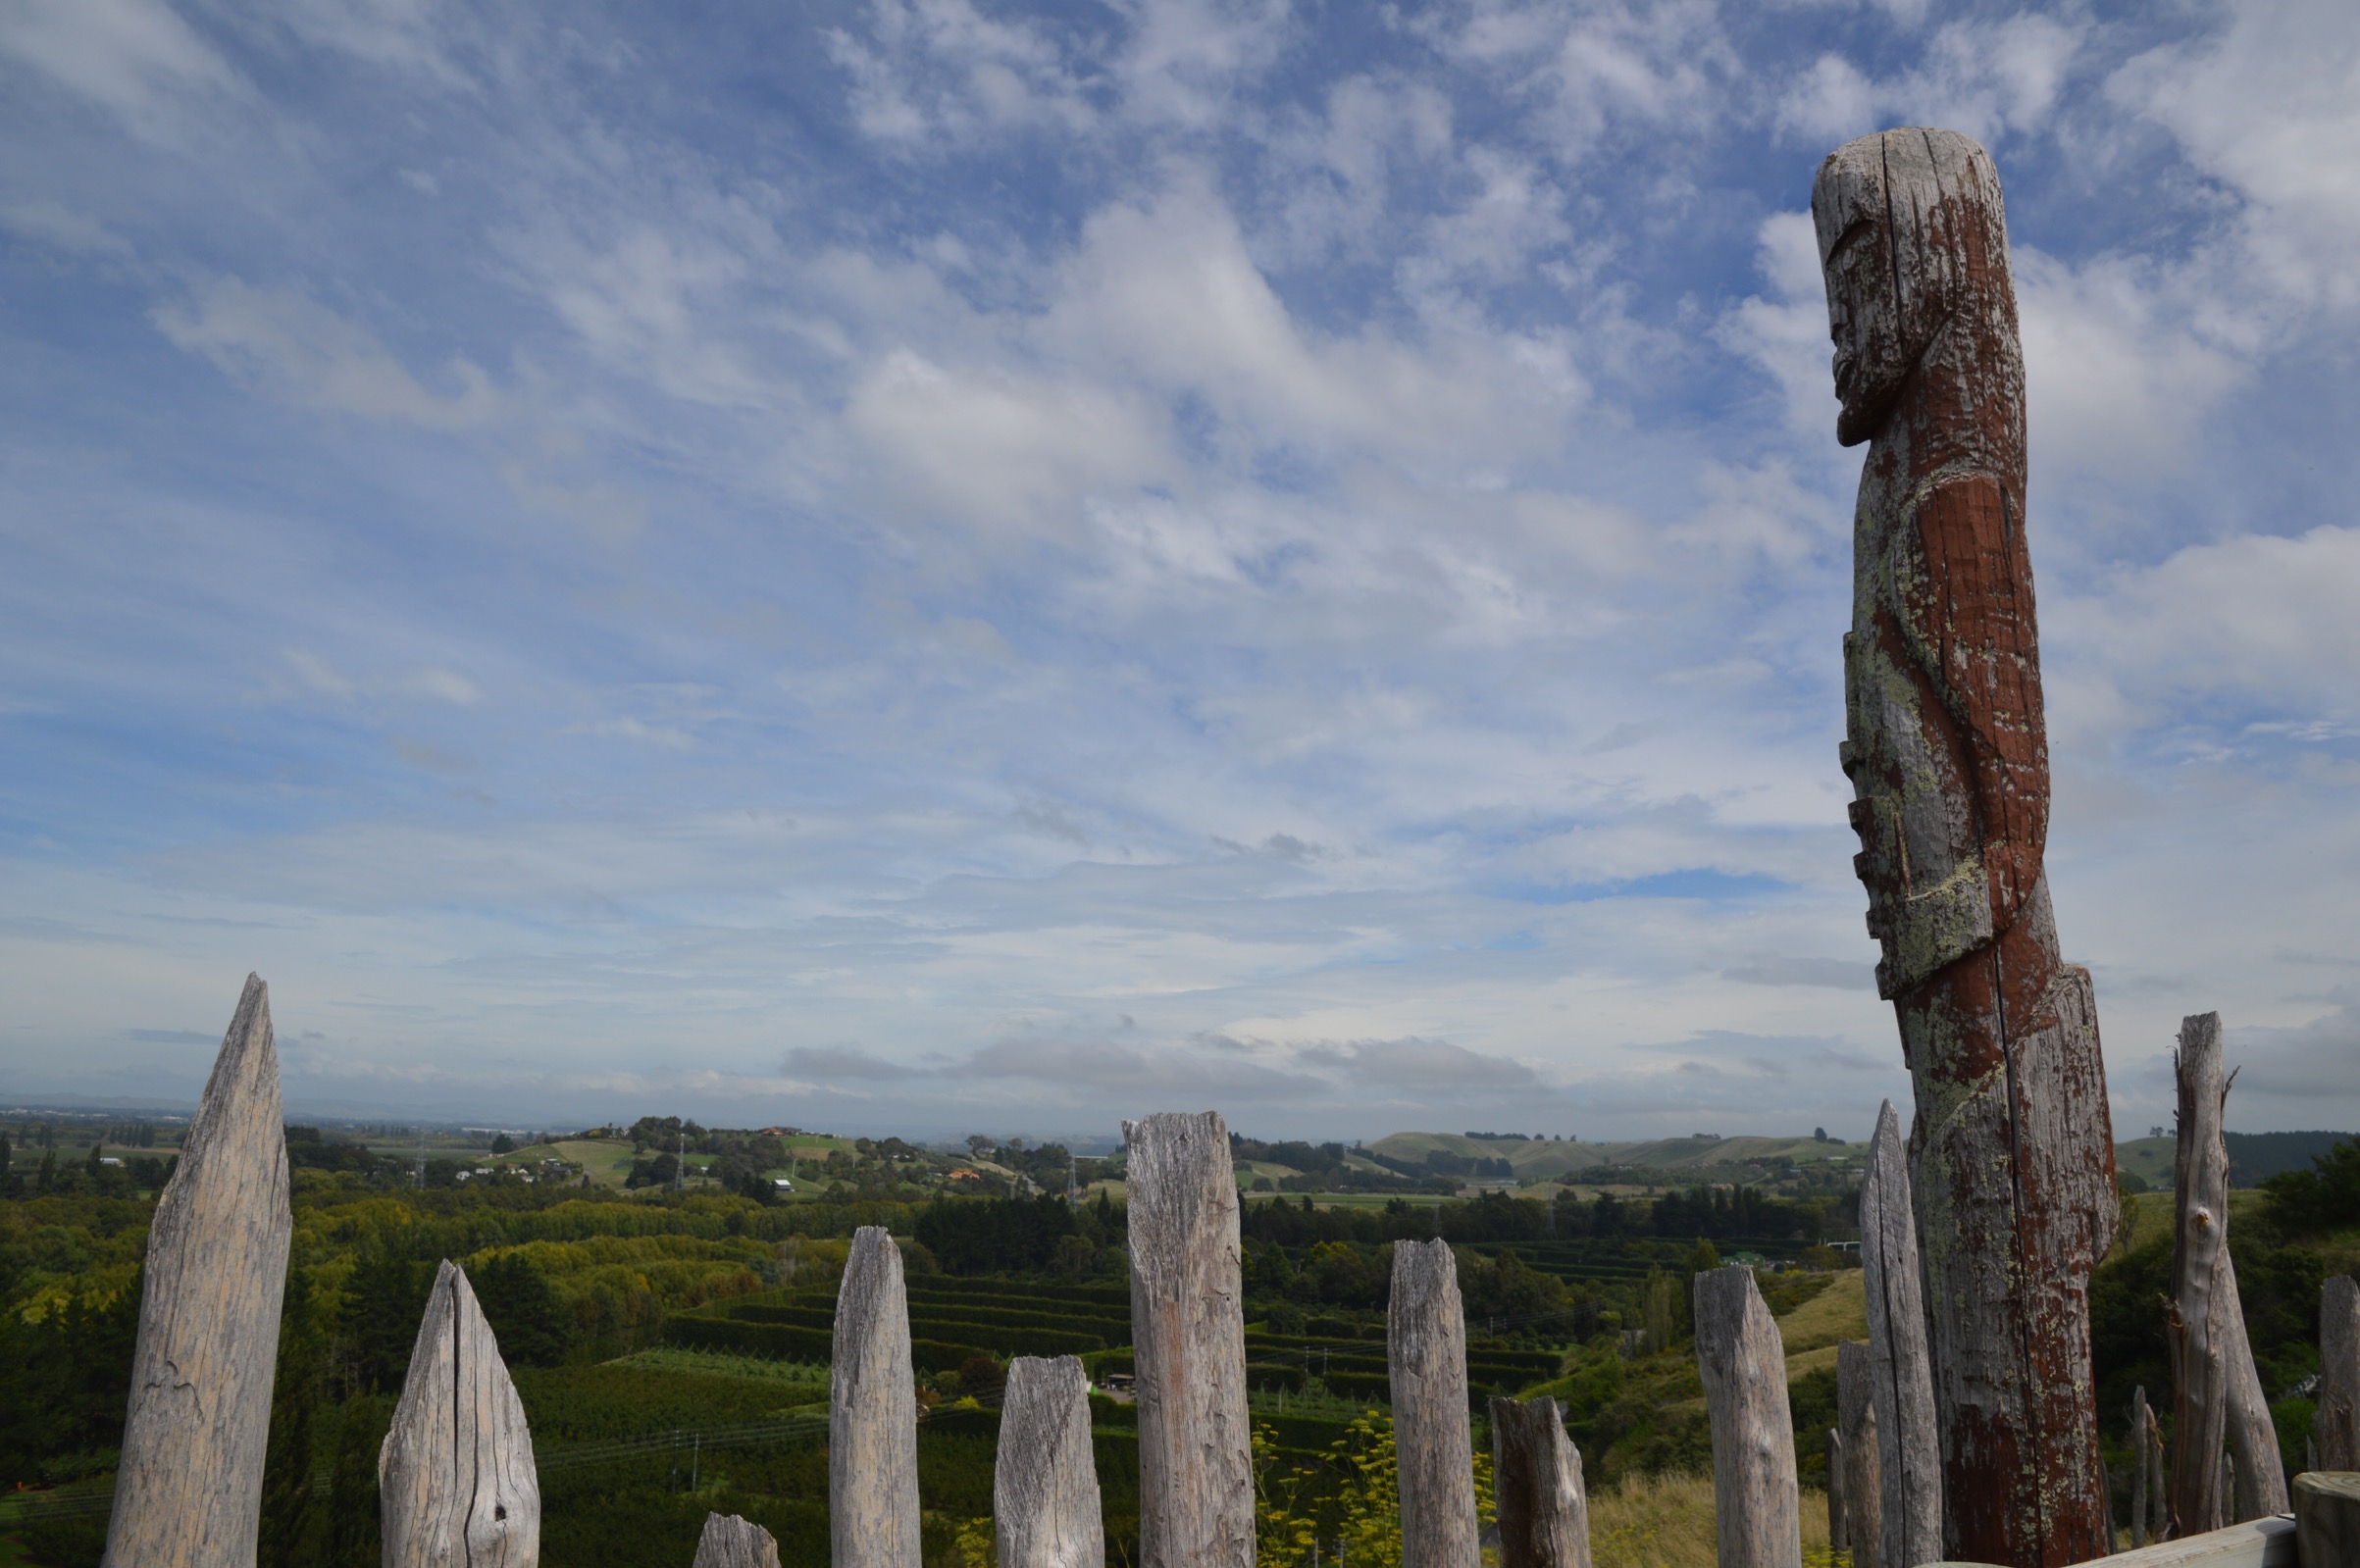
point(1947, 750)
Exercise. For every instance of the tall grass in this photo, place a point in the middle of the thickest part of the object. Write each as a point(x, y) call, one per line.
point(1667, 1522)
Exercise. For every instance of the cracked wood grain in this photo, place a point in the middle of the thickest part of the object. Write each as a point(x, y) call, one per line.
point(1864, 1458)
point(1946, 746)
point(2337, 1427)
point(730, 1541)
point(190, 1488)
point(1756, 1509)
point(1188, 1325)
point(455, 1475)
point(1044, 1501)
point(873, 1413)
point(2217, 1392)
point(1425, 1351)
point(1538, 1496)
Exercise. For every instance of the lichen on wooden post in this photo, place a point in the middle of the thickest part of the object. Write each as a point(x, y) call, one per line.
point(1909, 1450)
point(1863, 1482)
point(2217, 1391)
point(1044, 1501)
point(1538, 1496)
point(1425, 1351)
point(1947, 749)
point(188, 1490)
point(1187, 1329)
point(730, 1541)
point(2336, 1429)
point(1756, 1509)
point(456, 1477)
point(872, 1413)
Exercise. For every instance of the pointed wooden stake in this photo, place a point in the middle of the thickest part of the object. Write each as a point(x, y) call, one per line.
point(1045, 1485)
point(190, 1489)
point(2337, 1428)
point(1909, 1448)
point(455, 1475)
point(2218, 1392)
point(1756, 1510)
point(1537, 1490)
point(1426, 1346)
point(1864, 1485)
point(873, 1413)
point(730, 1541)
point(1188, 1327)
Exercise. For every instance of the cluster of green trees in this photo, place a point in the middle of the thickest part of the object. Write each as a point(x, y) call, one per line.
point(1039, 1235)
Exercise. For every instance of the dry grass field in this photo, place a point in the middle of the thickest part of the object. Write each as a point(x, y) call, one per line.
point(1667, 1522)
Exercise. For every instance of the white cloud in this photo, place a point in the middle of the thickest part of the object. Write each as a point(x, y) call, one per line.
point(1984, 79)
point(134, 58)
point(295, 348)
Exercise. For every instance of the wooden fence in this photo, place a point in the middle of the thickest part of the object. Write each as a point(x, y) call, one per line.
point(459, 1483)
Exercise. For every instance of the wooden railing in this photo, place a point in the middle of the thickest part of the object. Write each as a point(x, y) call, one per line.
point(459, 1483)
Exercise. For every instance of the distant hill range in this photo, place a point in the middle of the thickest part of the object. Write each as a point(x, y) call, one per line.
point(2253, 1156)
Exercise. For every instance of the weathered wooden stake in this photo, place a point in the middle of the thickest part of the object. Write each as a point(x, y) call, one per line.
point(2327, 1518)
point(190, 1489)
point(2142, 1459)
point(1864, 1485)
point(2218, 1394)
point(730, 1541)
point(455, 1475)
point(872, 1413)
point(2159, 1490)
point(1756, 1510)
point(1839, 1523)
point(1537, 1493)
point(1044, 1486)
point(1187, 1329)
point(1909, 1445)
point(1425, 1349)
point(2337, 1428)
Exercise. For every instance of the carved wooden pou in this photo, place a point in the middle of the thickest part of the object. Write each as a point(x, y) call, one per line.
point(1948, 755)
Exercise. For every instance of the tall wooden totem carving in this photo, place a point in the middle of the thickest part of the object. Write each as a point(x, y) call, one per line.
point(2012, 1150)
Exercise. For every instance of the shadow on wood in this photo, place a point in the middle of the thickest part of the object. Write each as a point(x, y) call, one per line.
point(1537, 1493)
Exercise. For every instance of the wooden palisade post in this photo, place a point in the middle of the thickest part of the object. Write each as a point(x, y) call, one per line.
point(1045, 1501)
point(1839, 1522)
point(1537, 1492)
point(2327, 1518)
point(455, 1475)
point(1947, 749)
point(1909, 1451)
point(730, 1541)
point(872, 1413)
point(2218, 1394)
point(1187, 1329)
point(2142, 1460)
point(2337, 1428)
point(189, 1488)
point(1757, 1513)
point(1425, 1348)
point(1864, 1484)
point(189, 1483)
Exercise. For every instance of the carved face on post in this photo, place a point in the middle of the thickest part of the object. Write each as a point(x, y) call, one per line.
point(1863, 306)
point(1909, 226)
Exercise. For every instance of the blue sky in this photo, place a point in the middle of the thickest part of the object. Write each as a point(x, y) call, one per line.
point(938, 566)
